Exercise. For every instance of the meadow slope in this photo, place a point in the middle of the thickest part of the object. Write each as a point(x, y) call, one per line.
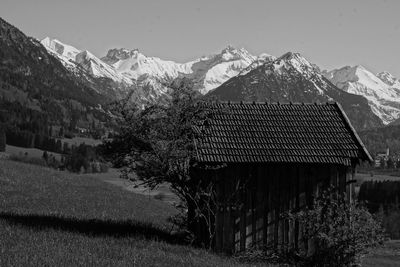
point(50, 218)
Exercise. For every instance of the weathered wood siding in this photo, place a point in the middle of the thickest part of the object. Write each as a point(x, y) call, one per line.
point(252, 197)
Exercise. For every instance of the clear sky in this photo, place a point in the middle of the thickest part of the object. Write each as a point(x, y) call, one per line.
point(329, 33)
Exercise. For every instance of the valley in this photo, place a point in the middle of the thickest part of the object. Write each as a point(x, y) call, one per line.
point(200, 133)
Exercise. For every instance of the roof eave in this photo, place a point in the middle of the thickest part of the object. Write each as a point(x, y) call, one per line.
point(353, 131)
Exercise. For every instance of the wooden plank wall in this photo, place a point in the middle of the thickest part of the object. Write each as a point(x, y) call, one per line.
point(269, 191)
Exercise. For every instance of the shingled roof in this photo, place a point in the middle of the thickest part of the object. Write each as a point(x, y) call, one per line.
point(277, 133)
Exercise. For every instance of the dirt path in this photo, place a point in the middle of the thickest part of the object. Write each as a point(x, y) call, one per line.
point(162, 193)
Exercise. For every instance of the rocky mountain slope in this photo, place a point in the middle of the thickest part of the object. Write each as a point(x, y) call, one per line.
point(291, 78)
point(382, 90)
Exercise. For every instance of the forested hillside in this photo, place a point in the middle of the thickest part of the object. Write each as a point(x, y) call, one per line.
point(38, 92)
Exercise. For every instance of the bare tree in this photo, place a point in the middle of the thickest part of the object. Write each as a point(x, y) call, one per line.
point(155, 146)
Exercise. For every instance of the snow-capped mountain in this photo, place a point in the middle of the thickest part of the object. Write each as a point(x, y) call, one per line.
point(97, 68)
point(207, 72)
point(260, 60)
point(134, 64)
point(265, 76)
point(131, 66)
point(381, 90)
point(65, 52)
point(212, 71)
point(292, 78)
point(269, 80)
point(77, 61)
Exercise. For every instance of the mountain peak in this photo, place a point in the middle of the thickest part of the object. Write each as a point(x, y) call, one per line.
point(387, 78)
point(86, 53)
point(230, 53)
point(262, 59)
point(266, 56)
point(47, 39)
point(121, 53)
point(297, 61)
point(66, 52)
point(233, 50)
point(287, 55)
point(229, 48)
point(293, 56)
point(360, 67)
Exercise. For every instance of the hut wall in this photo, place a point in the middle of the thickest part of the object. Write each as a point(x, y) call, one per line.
point(252, 197)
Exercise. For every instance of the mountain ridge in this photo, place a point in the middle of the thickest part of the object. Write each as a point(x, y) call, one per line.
point(122, 71)
point(210, 72)
point(292, 78)
point(130, 65)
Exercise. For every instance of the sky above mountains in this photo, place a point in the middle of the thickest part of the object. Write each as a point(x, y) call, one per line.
point(329, 33)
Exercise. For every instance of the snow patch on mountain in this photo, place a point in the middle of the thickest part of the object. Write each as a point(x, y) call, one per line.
point(134, 64)
point(389, 79)
point(297, 61)
point(98, 68)
point(210, 72)
point(65, 53)
point(260, 60)
point(60, 48)
point(381, 90)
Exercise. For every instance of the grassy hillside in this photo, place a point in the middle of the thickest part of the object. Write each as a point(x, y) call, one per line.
point(50, 218)
point(60, 219)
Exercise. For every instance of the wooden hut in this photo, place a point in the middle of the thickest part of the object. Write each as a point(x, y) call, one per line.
point(276, 158)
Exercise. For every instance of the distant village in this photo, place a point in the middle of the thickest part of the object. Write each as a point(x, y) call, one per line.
point(386, 160)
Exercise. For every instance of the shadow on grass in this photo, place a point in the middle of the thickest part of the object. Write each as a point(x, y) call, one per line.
point(93, 227)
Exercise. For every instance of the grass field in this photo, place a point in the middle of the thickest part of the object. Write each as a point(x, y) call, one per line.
point(50, 218)
point(162, 192)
